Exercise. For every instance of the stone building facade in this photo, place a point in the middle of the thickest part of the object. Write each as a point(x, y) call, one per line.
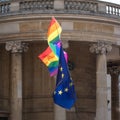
point(91, 37)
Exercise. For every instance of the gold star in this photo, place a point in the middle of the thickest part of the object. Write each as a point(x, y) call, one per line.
point(61, 68)
point(62, 75)
point(71, 84)
point(60, 92)
point(66, 89)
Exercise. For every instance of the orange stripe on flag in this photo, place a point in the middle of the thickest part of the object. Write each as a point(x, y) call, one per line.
point(48, 57)
point(53, 28)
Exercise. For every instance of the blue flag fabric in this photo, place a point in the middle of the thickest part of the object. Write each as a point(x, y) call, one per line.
point(64, 94)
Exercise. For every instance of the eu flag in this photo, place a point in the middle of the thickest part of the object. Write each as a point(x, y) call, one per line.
point(64, 94)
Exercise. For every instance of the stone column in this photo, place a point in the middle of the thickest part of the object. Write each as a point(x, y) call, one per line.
point(101, 49)
point(114, 70)
point(16, 49)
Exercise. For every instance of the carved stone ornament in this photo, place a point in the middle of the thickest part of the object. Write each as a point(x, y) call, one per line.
point(100, 47)
point(114, 70)
point(16, 46)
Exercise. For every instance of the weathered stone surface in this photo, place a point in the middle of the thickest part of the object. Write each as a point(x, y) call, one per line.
point(10, 27)
point(93, 27)
point(67, 25)
point(29, 26)
point(44, 25)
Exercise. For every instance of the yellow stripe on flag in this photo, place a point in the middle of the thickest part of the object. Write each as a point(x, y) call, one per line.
point(54, 34)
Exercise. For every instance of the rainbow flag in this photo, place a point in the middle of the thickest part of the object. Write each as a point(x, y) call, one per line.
point(50, 60)
point(54, 31)
point(50, 57)
point(53, 35)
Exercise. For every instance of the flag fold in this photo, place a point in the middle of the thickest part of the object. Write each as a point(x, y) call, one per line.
point(50, 60)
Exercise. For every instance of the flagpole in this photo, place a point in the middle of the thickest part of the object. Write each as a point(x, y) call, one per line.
point(59, 112)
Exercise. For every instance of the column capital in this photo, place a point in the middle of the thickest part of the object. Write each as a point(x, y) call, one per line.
point(16, 46)
point(114, 70)
point(101, 47)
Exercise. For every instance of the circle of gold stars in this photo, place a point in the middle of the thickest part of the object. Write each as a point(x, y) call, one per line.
point(60, 92)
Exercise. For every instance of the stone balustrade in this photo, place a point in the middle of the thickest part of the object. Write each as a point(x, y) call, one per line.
point(4, 7)
point(113, 9)
point(94, 7)
point(36, 5)
point(81, 5)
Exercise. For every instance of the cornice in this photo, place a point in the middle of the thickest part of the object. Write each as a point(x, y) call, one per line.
point(70, 17)
point(66, 35)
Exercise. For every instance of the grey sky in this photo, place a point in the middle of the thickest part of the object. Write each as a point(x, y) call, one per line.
point(113, 1)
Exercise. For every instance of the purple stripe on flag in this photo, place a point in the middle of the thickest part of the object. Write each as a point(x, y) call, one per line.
point(54, 72)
